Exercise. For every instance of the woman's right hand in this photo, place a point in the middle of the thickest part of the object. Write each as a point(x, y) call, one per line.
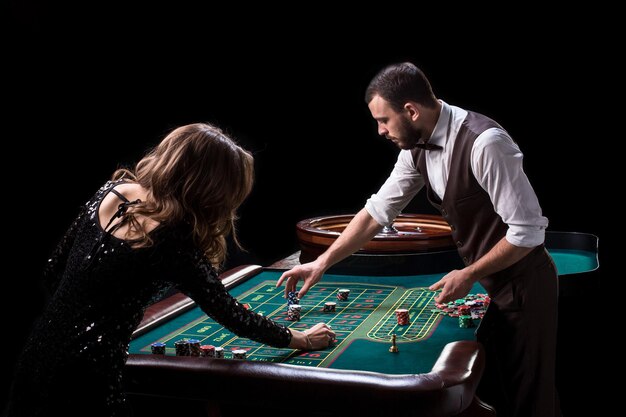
point(317, 337)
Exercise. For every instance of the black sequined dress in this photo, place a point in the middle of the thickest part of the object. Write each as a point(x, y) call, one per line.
point(101, 286)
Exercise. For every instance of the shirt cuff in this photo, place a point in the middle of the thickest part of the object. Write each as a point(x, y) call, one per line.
point(525, 236)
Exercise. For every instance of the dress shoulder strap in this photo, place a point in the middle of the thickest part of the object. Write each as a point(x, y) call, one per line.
point(121, 210)
point(120, 195)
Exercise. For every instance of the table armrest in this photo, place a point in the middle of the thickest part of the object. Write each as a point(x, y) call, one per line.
point(447, 390)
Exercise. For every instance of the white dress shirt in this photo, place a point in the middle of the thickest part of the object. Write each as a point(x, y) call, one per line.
point(496, 164)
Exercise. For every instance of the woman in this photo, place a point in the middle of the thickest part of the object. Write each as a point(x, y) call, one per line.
point(160, 225)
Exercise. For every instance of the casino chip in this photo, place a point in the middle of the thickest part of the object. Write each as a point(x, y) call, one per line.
point(239, 354)
point(343, 294)
point(329, 306)
point(182, 347)
point(158, 348)
point(219, 352)
point(194, 347)
point(207, 351)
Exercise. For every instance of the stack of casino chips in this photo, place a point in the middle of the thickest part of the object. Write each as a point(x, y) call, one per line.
point(182, 347)
point(465, 316)
point(465, 321)
point(329, 306)
point(187, 347)
point(402, 315)
point(293, 312)
point(194, 347)
point(343, 294)
point(292, 298)
point(239, 354)
point(468, 309)
point(158, 348)
point(207, 351)
point(464, 310)
point(219, 352)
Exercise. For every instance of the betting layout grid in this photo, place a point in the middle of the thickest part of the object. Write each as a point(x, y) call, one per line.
point(330, 303)
point(266, 299)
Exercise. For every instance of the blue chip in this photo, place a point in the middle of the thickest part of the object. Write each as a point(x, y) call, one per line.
point(292, 298)
point(158, 348)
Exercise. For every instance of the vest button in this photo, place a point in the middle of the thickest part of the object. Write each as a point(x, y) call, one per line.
point(466, 260)
point(444, 212)
point(452, 227)
point(459, 243)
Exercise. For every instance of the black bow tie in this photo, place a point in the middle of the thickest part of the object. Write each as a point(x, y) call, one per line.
point(428, 146)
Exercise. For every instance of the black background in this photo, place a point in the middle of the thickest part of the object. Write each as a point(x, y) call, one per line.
point(90, 90)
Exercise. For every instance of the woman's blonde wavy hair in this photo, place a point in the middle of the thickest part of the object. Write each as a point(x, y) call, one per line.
point(197, 175)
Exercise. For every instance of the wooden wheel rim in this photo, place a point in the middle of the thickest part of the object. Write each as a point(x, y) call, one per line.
point(411, 233)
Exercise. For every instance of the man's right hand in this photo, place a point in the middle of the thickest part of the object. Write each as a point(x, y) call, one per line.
point(310, 273)
point(361, 229)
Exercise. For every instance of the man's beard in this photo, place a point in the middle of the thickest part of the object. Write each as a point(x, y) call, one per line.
point(407, 137)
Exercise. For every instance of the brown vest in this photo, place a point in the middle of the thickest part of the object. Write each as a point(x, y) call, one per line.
point(466, 206)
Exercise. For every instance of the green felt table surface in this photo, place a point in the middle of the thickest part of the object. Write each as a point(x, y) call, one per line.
point(570, 261)
point(364, 323)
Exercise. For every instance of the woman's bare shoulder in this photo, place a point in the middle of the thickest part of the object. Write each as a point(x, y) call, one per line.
point(111, 202)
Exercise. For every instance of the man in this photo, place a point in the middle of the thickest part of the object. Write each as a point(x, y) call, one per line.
point(473, 174)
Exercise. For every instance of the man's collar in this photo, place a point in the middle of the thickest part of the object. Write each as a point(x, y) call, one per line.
point(439, 136)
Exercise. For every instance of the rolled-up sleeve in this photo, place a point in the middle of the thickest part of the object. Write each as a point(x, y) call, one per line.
point(403, 184)
point(497, 165)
